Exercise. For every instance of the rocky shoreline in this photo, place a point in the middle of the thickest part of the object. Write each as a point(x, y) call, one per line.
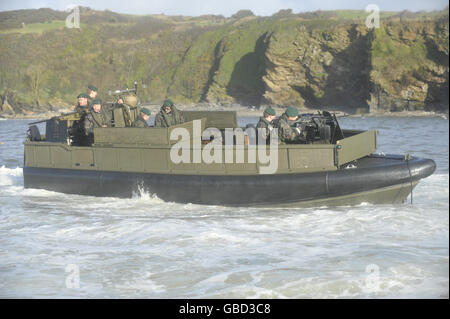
point(242, 111)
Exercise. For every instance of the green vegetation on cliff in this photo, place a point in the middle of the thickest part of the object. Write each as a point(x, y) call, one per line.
point(316, 59)
point(409, 61)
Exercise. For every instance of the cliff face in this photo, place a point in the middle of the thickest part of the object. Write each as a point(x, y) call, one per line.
point(402, 65)
point(287, 60)
point(410, 65)
point(314, 66)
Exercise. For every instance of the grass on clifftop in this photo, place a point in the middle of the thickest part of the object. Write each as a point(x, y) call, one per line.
point(37, 27)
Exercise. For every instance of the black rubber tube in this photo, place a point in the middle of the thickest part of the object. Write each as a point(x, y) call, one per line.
point(372, 173)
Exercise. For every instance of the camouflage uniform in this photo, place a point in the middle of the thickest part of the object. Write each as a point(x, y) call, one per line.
point(94, 119)
point(82, 109)
point(77, 130)
point(163, 119)
point(286, 133)
point(263, 123)
point(140, 122)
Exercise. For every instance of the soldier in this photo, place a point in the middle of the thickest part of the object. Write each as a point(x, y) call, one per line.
point(96, 118)
point(82, 104)
point(265, 121)
point(141, 120)
point(119, 102)
point(287, 133)
point(129, 104)
point(92, 91)
point(169, 115)
point(76, 129)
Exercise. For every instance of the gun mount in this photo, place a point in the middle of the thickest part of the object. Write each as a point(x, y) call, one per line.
point(125, 113)
point(318, 128)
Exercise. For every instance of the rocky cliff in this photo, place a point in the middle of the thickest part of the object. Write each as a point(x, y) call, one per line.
point(309, 61)
point(402, 65)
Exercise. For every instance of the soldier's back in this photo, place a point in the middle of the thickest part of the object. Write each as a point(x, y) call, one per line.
point(140, 123)
point(263, 123)
point(159, 121)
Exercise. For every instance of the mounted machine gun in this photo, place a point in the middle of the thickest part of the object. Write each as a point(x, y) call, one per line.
point(126, 108)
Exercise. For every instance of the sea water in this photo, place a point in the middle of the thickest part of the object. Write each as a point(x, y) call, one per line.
point(55, 245)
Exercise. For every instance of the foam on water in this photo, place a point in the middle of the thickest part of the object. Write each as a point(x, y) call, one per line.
point(10, 176)
point(145, 247)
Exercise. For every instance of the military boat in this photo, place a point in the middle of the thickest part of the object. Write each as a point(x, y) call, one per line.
point(332, 167)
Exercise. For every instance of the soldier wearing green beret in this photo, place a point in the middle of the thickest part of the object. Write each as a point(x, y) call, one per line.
point(286, 132)
point(141, 120)
point(83, 103)
point(92, 92)
point(168, 115)
point(77, 130)
point(95, 118)
point(265, 122)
